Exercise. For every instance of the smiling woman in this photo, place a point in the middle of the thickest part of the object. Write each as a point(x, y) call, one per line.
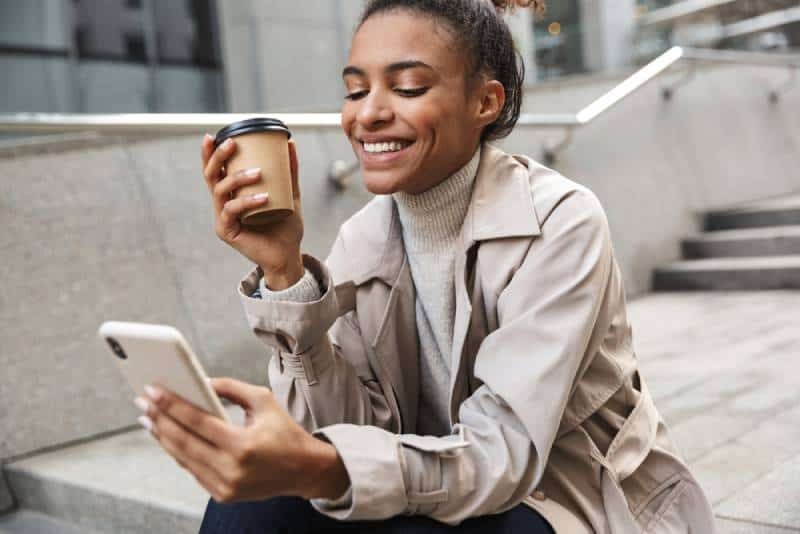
point(462, 360)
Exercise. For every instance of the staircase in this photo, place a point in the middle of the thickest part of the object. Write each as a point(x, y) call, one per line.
point(751, 247)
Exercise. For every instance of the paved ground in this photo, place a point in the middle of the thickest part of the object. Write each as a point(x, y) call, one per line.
point(723, 368)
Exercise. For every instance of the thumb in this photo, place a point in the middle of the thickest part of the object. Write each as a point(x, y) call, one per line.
point(246, 395)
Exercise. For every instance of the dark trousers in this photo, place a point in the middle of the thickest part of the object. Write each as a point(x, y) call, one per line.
point(292, 515)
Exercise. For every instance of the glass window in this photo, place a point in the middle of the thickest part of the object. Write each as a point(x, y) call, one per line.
point(557, 37)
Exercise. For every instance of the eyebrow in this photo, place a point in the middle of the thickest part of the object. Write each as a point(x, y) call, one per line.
point(394, 67)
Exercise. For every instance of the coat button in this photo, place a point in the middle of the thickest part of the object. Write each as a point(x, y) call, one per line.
point(538, 495)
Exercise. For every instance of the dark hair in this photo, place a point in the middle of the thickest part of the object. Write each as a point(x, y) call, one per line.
point(477, 28)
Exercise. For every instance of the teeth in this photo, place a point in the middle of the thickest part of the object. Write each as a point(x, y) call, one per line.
point(392, 146)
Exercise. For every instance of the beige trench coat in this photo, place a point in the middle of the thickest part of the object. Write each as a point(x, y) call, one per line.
point(546, 402)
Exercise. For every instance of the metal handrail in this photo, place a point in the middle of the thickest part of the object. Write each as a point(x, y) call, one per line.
point(159, 123)
point(765, 21)
point(672, 13)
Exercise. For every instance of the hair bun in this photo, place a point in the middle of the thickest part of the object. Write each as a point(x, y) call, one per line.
point(503, 6)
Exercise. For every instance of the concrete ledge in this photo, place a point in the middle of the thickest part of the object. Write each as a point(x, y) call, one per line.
point(756, 216)
point(773, 272)
point(766, 241)
point(29, 522)
point(122, 484)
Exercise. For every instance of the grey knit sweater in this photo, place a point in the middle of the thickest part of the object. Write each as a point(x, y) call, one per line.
point(431, 222)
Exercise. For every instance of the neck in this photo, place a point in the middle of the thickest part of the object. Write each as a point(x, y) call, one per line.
point(437, 214)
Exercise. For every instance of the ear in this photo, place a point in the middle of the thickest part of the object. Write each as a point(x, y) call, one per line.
point(492, 98)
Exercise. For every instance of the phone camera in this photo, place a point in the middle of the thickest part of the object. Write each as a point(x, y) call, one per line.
point(117, 348)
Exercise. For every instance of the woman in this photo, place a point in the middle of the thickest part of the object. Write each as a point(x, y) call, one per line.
point(462, 357)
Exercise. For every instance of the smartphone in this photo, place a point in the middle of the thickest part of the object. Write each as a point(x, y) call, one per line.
point(158, 354)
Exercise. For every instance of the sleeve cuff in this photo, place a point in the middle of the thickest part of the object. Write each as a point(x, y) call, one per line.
point(371, 456)
point(305, 290)
point(329, 505)
point(289, 325)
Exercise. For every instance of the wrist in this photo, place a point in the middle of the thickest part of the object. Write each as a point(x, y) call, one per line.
point(326, 476)
point(285, 276)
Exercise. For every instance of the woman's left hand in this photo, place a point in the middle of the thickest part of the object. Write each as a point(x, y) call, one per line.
point(271, 455)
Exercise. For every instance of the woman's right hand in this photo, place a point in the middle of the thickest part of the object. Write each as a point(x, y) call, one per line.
point(274, 247)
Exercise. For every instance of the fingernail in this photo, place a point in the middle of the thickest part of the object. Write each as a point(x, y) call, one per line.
point(260, 196)
point(145, 422)
point(208, 136)
point(227, 144)
point(142, 404)
point(153, 393)
point(252, 172)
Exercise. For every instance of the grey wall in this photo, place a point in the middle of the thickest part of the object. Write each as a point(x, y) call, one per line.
point(123, 232)
point(656, 165)
point(284, 58)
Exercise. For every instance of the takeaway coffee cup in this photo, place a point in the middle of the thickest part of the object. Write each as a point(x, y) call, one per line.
point(261, 142)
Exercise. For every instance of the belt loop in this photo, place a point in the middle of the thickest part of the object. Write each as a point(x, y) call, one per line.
point(308, 369)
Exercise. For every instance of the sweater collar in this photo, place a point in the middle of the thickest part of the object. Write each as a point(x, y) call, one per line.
point(436, 215)
point(501, 206)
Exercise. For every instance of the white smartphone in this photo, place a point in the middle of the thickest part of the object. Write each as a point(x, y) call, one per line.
point(158, 354)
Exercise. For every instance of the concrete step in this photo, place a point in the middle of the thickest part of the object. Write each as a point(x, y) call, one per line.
point(122, 484)
point(29, 522)
point(766, 241)
point(777, 212)
point(770, 272)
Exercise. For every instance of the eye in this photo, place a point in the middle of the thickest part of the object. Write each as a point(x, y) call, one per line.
point(412, 92)
point(356, 95)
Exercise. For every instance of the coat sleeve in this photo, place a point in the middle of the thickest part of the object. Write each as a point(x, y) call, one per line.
point(318, 354)
point(498, 450)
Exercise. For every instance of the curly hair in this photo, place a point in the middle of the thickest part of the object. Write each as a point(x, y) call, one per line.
point(477, 28)
point(503, 5)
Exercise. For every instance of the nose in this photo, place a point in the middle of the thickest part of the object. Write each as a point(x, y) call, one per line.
point(375, 110)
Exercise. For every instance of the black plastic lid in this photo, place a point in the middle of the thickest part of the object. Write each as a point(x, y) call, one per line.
point(257, 124)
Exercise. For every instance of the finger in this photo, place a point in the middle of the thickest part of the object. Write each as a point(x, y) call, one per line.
point(187, 447)
point(205, 475)
point(209, 427)
point(213, 169)
point(246, 395)
point(229, 215)
point(206, 148)
point(294, 166)
point(231, 183)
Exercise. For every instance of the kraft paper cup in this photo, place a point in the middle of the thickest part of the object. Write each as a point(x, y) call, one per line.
point(262, 143)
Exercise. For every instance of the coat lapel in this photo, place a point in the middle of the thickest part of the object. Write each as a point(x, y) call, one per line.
point(373, 246)
point(501, 206)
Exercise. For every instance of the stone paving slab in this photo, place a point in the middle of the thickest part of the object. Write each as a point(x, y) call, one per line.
point(723, 369)
point(727, 526)
point(773, 499)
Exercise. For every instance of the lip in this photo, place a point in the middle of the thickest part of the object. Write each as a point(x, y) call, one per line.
point(371, 160)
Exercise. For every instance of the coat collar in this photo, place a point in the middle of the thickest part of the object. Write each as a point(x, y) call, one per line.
point(501, 206)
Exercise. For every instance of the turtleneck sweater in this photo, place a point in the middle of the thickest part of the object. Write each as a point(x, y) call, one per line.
point(431, 222)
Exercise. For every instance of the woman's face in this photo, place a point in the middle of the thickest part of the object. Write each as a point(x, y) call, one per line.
point(406, 110)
